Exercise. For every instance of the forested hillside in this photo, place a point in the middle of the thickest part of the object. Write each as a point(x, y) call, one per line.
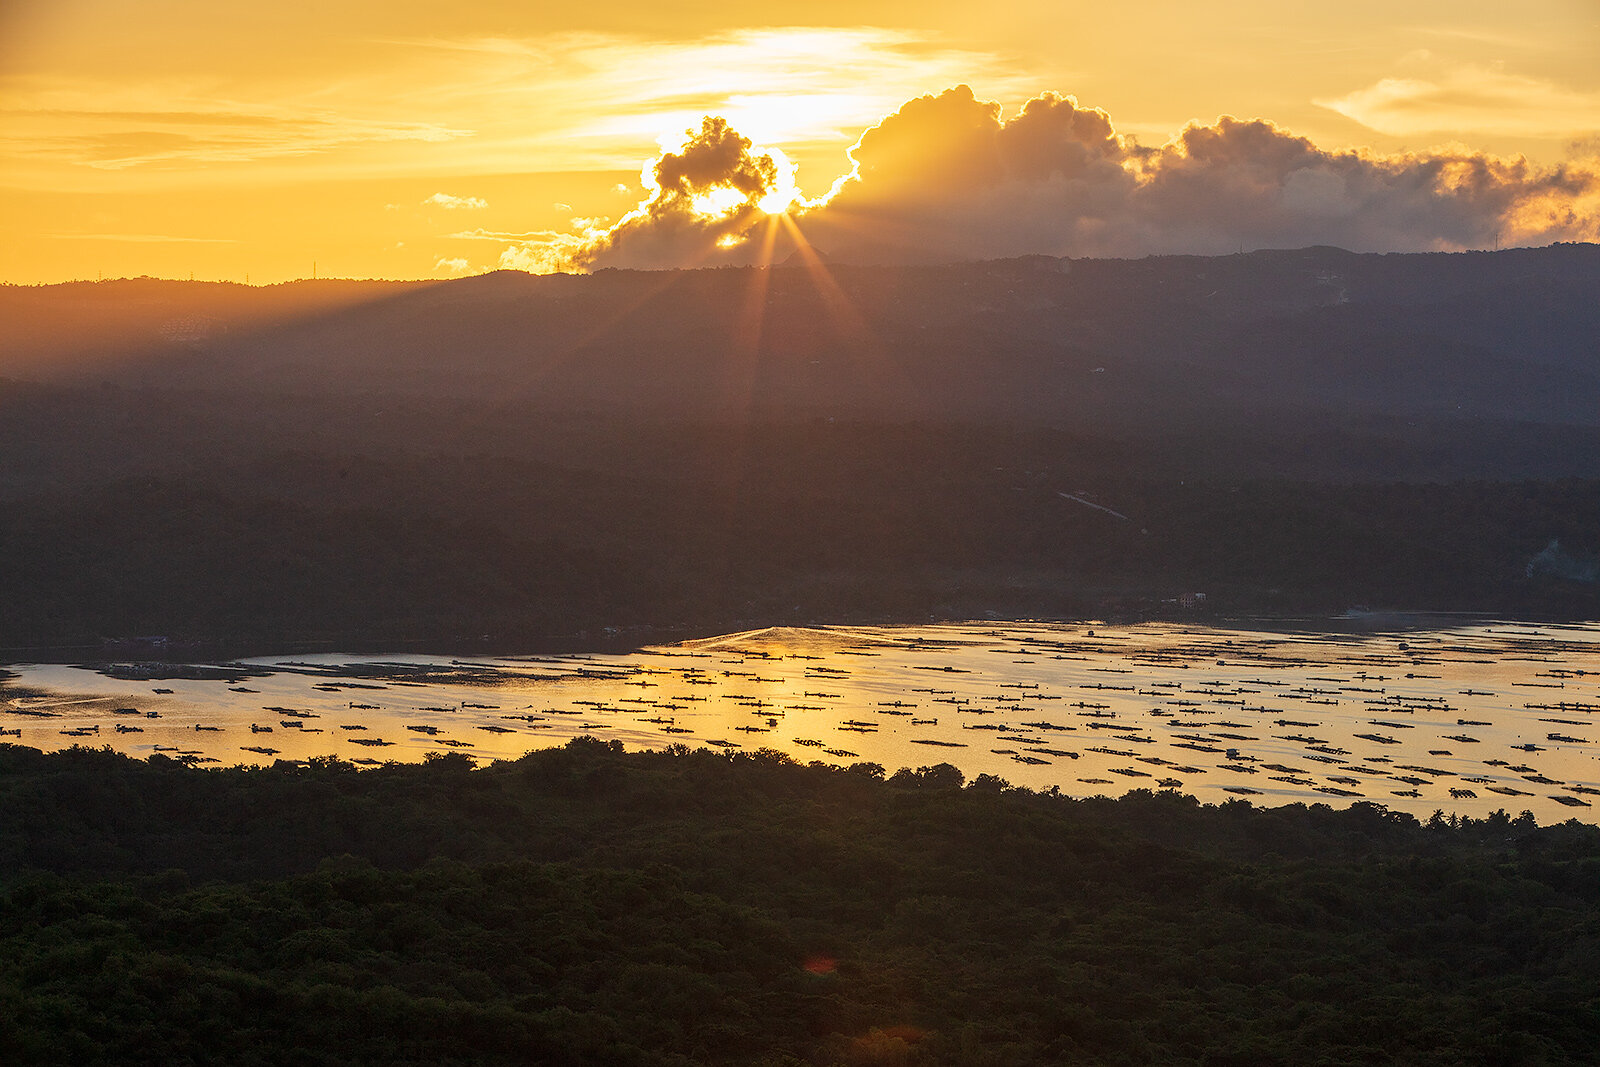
point(529, 458)
point(583, 904)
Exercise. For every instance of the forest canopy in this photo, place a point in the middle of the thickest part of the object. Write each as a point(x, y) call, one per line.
point(677, 907)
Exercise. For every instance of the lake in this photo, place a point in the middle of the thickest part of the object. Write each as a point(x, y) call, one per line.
point(1465, 718)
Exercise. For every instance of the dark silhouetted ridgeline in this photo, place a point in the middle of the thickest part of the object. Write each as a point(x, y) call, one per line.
point(1111, 345)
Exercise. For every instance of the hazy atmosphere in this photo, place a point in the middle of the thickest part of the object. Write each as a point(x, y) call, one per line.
point(405, 140)
point(872, 534)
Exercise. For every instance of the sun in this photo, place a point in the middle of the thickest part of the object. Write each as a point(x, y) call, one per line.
point(718, 202)
point(779, 197)
point(784, 194)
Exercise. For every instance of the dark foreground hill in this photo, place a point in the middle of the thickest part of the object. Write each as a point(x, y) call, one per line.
point(518, 456)
point(583, 905)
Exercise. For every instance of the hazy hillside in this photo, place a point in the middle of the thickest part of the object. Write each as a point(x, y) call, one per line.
point(519, 454)
point(1108, 343)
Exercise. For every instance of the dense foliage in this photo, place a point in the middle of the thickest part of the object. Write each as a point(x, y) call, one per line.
point(588, 905)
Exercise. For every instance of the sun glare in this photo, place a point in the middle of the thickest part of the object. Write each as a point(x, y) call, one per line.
point(784, 192)
point(718, 202)
point(722, 201)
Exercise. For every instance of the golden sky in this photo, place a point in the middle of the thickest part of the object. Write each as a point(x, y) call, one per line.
point(395, 138)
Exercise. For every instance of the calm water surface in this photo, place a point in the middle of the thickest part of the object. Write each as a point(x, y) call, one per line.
point(1465, 719)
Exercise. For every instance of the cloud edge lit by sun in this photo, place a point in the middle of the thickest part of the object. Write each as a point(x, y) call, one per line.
point(952, 176)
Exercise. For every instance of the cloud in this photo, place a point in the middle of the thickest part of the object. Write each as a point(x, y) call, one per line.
point(142, 238)
point(558, 254)
point(456, 203)
point(1476, 99)
point(948, 176)
point(119, 139)
point(1247, 182)
point(553, 102)
point(455, 267)
point(481, 234)
point(598, 95)
point(701, 198)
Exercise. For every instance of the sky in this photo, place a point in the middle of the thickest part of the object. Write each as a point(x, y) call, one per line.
point(404, 139)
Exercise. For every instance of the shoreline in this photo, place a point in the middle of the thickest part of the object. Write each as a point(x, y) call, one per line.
point(631, 638)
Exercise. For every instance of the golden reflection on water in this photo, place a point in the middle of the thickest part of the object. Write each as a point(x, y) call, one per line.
point(1465, 719)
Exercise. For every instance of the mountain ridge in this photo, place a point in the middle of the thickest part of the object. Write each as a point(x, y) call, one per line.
point(1506, 335)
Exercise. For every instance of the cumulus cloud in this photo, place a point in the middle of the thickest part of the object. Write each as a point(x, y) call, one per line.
point(554, 254)
point(701, 199)
point(1251, 183)
point(455, 203)
point(946, 175)
point(949, 176)
point(454, 267)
